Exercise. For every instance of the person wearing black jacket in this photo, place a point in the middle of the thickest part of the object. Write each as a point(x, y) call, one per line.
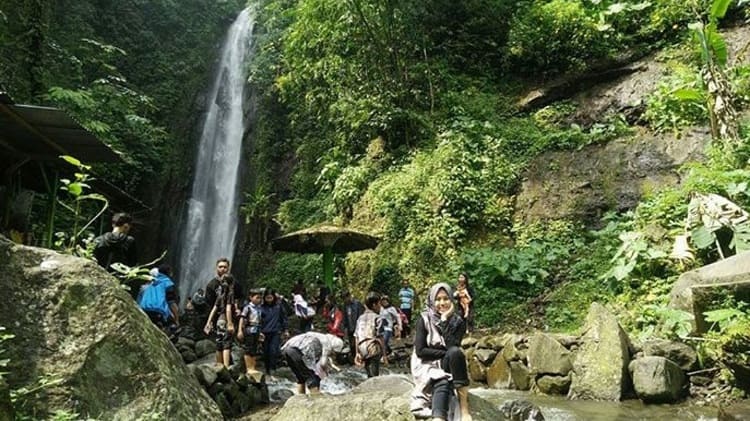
point(352, 310)
point(118, 247)
point(438, 365)
point(274, 325)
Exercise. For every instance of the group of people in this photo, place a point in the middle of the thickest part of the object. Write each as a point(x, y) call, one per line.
point(158, 297)
point(259, 322)
point(438, 364)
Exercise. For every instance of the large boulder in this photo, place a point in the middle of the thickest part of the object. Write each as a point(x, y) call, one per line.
point(521, 410)
point(378, 398)
point(657, 380)
point(74, 322)
point(485, 356)
point(553, 385)
point(677, 352)
point(548, 356)
point(498, 375)
point(600, 370)
point(694, 289)
point(514, 348)
point(468, 342)
point(477, 371)
point(520, 376)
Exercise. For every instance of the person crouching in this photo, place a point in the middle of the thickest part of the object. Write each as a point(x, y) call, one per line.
point(309, 356)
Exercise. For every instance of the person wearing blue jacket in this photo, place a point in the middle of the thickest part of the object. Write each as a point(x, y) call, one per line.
point(158, 298)
point(273, 325)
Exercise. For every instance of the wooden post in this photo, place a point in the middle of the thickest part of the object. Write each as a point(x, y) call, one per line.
point(328, 267)
point(49, 233)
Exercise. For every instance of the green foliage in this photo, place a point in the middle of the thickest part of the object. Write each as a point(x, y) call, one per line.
point(120, 124)
point(386, 281)
point(635, 258)
point(531, 264)
point(135, 275)
point(727, 338)
point(78, 192)
point(664, 322)
point(126, 71)
point(725, 318)
point(257, 204)
point(25, 395)
point(286, 269)
point(63, 415)
point(503, 277)
point(554, 36)
point(679, 100)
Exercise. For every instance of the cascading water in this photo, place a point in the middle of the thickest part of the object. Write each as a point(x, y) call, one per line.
point(211, 226)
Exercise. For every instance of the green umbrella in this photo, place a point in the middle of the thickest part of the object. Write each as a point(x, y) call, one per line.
point(326, 239)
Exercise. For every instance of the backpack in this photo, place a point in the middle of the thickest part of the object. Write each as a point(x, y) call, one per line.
point(153, 298)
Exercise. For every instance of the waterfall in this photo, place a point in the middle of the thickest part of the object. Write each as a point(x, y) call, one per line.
point(210, 228)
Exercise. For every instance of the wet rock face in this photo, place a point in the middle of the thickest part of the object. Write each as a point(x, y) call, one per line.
point(586, 183)
point(72, 321)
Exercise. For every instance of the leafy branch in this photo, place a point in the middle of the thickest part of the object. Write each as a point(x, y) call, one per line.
point(77, 190)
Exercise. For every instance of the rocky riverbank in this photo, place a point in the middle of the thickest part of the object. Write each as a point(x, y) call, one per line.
point(601, 363)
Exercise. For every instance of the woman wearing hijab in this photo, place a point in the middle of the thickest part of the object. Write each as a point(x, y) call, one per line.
point(309, 356)
point(437, 364)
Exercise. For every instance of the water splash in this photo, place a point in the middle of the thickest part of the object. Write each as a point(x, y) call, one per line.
point(211, 225)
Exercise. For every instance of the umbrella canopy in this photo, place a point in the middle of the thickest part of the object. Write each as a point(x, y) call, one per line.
point(319, 239)
point(326, 239)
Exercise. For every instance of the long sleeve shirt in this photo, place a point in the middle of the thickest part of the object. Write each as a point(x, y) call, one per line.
point(273, 318)
point(452, 331)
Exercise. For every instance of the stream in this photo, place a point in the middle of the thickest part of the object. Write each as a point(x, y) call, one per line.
point(554, 408)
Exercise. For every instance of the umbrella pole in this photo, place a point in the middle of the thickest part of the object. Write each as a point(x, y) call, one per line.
point(328, 267)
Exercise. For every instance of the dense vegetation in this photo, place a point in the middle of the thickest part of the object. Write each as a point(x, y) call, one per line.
point(128, 71)
point(401, 118)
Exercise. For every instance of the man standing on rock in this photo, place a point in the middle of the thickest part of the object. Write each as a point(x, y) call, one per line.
point(118, 247)
point(220, 296)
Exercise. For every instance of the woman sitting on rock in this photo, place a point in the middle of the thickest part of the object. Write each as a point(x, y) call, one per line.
point(310, 356)
point(437, 363)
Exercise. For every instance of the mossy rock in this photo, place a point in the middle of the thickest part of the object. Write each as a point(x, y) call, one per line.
point(81, 327)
